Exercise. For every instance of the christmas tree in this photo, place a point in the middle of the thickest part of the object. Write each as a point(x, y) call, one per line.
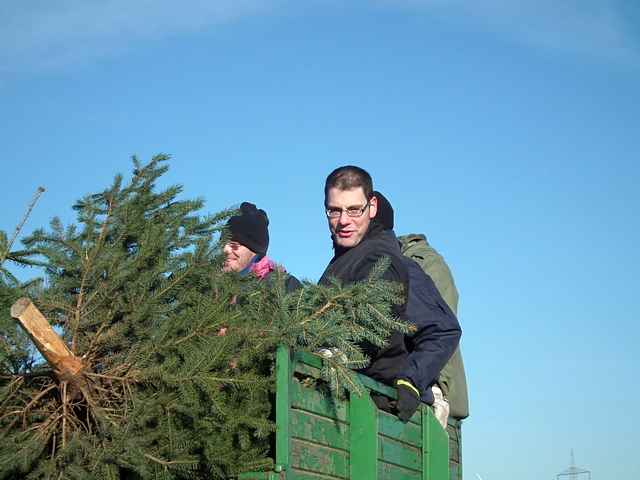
point(168, 362)
point(16, 350)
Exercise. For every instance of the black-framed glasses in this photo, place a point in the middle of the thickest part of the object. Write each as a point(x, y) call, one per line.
point(351, 211)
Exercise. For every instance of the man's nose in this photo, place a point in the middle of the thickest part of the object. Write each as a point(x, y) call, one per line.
point(344, 219)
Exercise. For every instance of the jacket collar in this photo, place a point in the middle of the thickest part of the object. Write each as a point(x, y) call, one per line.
point(375, 229)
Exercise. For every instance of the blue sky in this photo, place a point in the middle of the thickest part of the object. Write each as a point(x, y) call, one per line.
point(507, 132)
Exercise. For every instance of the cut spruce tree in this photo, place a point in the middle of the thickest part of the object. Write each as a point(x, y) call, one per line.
point(153, 363)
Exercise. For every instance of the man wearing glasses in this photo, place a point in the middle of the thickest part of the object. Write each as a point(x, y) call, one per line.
point(359, 242)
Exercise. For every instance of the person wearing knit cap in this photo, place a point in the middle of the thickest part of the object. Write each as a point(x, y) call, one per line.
point(246, 250)
point(249, 238)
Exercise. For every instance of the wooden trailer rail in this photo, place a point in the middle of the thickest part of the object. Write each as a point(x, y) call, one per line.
point(319, 437)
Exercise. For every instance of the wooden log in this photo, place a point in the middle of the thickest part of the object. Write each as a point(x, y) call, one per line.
point(65, 364)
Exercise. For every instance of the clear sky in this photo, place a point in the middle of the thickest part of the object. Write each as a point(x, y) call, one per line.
point(507, 132)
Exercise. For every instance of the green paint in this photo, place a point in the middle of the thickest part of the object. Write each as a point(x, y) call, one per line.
point(363, 439)
point(317, 401)
point(283, 379)
point(308, 358)
point(390, 426)
point(455, 448)
point(320, 436)
point(306, 370)
point(401, 454)
point(374, 386)
point(435, 448)
point(388, 471)
point(319, 430)
point(318, 459)
point(259, 476)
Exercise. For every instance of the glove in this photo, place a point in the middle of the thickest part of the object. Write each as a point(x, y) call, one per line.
point(331, 352)
point(383, 402)
point(408, 399)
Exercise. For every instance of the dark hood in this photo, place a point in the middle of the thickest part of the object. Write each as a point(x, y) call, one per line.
point(385, 212)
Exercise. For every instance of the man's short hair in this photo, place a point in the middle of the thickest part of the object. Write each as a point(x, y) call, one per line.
point(348, 178)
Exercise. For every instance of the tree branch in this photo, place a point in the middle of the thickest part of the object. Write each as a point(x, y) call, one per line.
point(34, 200)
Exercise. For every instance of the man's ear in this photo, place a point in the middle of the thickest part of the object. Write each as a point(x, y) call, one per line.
point(373, 206)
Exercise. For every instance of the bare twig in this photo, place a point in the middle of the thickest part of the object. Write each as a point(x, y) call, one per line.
point(95, 338)
point(14, 387)
point(34, 200)
point(35, 400)
point(166, 463)
point(29, 375)
point(108, 377)
point(172, 284)
point(324, 308)
point(200, 330)
point(64, 414)
point(53, 446)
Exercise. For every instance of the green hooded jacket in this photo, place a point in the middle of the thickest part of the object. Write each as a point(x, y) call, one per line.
point(452, 380)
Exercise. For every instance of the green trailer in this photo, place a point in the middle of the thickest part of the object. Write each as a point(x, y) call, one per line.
point(319, 437)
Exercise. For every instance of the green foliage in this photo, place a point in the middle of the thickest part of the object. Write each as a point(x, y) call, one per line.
point(17, 355)
point(178, 378)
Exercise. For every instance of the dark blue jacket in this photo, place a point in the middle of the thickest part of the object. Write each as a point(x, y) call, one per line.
point(354, 265)
point(419, 357)
point(437, 331)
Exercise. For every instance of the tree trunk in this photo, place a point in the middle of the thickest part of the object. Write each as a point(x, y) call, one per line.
point(67, 367)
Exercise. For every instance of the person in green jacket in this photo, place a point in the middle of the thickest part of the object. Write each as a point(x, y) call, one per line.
point(452, 380)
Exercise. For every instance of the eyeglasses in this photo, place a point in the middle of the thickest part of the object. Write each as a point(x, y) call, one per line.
point(353, 212)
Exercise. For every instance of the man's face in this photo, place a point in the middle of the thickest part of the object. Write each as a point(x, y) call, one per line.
point(349, 231)
point(236, 257)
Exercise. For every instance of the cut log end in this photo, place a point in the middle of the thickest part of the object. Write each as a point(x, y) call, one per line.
point(53, 348)
point(20, 306)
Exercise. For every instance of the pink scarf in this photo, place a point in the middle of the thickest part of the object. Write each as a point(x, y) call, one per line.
point(263, 267)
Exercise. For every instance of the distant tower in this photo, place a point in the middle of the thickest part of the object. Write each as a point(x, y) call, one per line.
point(573, 472)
